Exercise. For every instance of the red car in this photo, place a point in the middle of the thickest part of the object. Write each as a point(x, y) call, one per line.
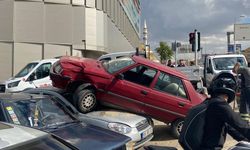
point(131, 83)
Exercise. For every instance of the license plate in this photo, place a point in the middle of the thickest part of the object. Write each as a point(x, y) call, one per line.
point(146, 133)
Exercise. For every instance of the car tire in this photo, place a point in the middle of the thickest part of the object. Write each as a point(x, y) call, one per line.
point(176, 127)
point(86, 101)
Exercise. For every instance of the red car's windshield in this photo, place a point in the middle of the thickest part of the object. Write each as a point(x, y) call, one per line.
point(113, 66)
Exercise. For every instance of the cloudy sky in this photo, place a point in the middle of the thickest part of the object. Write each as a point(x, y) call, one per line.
point(170, 20)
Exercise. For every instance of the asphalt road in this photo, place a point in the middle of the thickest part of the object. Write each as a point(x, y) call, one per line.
point(162, 137)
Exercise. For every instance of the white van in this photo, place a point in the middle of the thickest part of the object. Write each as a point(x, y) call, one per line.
point(34, 74)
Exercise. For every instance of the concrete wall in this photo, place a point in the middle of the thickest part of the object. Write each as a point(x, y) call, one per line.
point(38, 29)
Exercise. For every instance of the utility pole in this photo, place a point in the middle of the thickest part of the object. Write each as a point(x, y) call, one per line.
point(195, 47)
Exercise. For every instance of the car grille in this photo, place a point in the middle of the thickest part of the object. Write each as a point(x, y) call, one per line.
point(2, 88)
point(142, 125)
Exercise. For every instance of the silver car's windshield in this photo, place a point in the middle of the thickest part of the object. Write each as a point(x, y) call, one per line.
point(115, 65)
point(227, 63)
point(25, 70)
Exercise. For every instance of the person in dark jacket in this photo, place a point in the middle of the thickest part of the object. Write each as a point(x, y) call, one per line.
point(245, 90)
point(220, 117)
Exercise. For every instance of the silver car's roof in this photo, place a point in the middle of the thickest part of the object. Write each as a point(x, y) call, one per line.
point(13, 134)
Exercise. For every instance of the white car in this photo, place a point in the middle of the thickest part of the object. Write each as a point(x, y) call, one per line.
point(13, 137)
point(138, 128)
point(34, 74)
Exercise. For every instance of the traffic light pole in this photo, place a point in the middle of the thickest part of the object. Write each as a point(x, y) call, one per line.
point(195, 47)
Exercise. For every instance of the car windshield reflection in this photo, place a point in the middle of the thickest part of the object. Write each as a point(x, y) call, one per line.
point(228, 63)
point(25, 70)
point(116, 65)
point(39, 113)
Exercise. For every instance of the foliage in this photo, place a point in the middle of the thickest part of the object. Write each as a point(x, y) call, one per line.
point(164, 51)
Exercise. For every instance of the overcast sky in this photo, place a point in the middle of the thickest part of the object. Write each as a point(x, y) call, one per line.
point(170, 20)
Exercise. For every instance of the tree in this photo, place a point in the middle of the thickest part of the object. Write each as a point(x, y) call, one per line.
point(164, 51)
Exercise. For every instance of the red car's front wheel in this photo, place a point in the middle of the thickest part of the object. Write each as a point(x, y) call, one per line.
point(86, 101)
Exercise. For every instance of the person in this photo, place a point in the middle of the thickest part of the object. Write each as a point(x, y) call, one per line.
point(181, 63)
point(245, 90)
point(169, 64)
point(220, 118)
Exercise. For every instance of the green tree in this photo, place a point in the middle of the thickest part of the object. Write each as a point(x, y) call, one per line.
point(164, 51)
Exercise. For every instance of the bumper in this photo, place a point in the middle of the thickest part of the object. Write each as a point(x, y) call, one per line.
point(59, 81)
point(141, 137)
point(2, 88)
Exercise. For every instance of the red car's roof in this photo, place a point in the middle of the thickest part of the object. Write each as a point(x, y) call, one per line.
point(159, 66)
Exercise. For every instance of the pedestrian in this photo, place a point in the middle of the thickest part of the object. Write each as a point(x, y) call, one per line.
point(169, 64)
point(245, 90)
point(181, 63)
point(220, 118)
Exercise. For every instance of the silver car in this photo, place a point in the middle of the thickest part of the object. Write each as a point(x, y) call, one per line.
point(15, 137)
point(138, 128)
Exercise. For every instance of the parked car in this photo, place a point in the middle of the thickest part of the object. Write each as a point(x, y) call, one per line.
point(47, 114)
point(138, 128)
point(2, 87)
point(116, 55)
point(15, 137)
point(131, 83)
point(34, 74)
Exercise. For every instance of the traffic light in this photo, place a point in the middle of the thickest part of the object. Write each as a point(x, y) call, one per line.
point(199, 41)
point(191, 38)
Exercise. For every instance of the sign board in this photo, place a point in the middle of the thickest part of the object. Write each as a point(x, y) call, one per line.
point(230, 48)
point(242, 32)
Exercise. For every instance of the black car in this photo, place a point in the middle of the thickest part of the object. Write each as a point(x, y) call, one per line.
point(48, 114)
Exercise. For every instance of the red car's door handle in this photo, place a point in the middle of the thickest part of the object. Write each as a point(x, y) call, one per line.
point(181, 104)
point(144, 92)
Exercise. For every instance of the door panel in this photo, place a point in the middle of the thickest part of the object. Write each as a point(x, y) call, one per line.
point(132, 91)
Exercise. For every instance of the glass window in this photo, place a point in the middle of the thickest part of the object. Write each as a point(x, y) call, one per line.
point(38, 113)
point(141, 75)
point(26, 70)
point(117, 64)
point(171, 85)
point(99, 4)
point(42, 71)
point(227, 63)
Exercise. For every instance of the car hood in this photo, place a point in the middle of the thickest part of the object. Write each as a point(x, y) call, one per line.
point(84, 136)
point(13, 79)
point(117, 116)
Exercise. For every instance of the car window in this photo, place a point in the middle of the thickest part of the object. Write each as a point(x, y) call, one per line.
point(48, 143)
point(25, 70)
point(117, 64)
point(42, 71)
point(142, 75)
point(37, 113)
point(228, 63)
point(171, 85)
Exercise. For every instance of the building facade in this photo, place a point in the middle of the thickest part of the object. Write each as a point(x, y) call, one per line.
point(40, 29)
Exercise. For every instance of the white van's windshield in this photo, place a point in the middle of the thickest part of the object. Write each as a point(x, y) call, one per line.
point(227, 63)
point(25, 70)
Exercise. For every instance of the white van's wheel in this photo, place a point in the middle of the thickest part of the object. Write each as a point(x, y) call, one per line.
point(87, 101)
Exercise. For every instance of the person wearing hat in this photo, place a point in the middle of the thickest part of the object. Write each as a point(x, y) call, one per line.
point(220, 117)
point(245, 90)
